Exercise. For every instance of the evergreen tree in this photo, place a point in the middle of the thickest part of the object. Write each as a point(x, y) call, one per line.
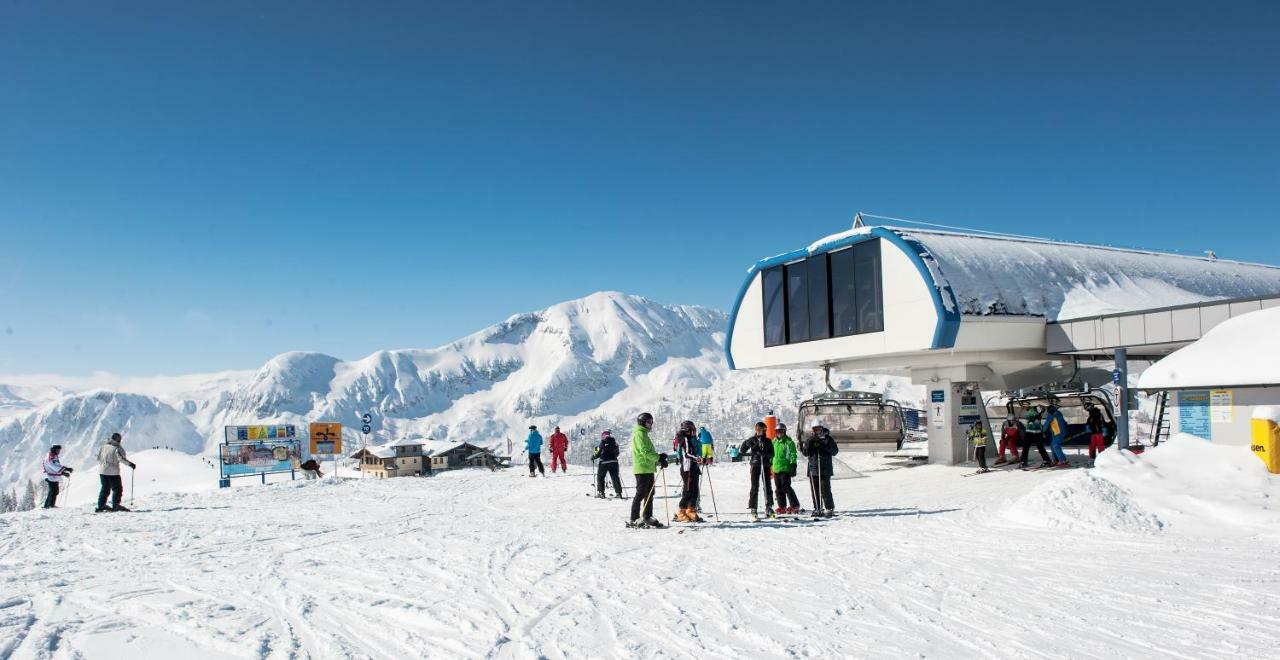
point(7, 502)
point(28, 497)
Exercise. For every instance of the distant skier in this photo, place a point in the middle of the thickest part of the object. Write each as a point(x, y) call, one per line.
point(559, 445)
point(1010, 438)
point(533, 445)
point(819, 448)
point(645, 461)
point(690, 472)
point(707, 443)
point(110, 456)
point(734, 455)
point(759, 450)
point(1033, 433)
point(54, 471)
point(311, 469)
point(1097, 430)
point(607, 454)
point(1056, 426)
point(784, 467)
point(979, 438)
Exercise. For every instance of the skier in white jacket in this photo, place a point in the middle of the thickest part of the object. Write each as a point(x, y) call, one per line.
point(110, 456)
point(53, 474)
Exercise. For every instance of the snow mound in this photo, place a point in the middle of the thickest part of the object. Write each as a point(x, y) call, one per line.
point(1186, 486)
point(1239, 351)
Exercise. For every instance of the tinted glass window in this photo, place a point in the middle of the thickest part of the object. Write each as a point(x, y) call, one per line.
point(866, 275)
point(775, 313)
point(797, 302)
point(844, 314)
point(819, 306)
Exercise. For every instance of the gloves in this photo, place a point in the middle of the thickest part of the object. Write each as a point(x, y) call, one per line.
point(133, 466)
point(67, 471)
point(662, 461)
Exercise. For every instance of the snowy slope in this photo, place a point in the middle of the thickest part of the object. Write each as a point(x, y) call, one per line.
point(473, 564)
point(81, 422)
point(585, 364)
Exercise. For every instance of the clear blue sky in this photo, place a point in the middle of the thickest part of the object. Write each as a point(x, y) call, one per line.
point(200, 186)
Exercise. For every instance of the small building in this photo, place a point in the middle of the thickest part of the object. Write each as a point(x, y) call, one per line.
point(1210, 388)
point(463, 454)
point(402, 458)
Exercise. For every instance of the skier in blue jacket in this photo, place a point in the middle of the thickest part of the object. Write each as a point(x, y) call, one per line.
point(1056, 427)
point(533, 445)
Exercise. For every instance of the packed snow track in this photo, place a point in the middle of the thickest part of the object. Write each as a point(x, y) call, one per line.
point(472, 564)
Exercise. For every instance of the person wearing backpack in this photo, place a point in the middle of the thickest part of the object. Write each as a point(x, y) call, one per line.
point(690, 471)
point(784, 467)
point(759, 450)
point(1057, 429)
point(607, 454)
point(110, 456)
point(1033, 433)
point(54, 471)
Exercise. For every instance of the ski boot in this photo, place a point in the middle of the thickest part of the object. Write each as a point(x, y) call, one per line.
point(793, 510)
point(117, 507)
point(682, 516)
point(780, 510)
point(771, 514)
point(829, 513)
point(651, 523)
point(755, 517)
point(1001, 461)
point(817, 513)
point(600, 496)
point(694, 517)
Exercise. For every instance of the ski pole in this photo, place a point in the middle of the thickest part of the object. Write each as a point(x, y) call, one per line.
point(666, 504)
point(132, 473)
point(712, 486)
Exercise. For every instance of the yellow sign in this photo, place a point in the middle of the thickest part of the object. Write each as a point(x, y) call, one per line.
point(1220, 407)
point(326, 438)
point(1266, 443)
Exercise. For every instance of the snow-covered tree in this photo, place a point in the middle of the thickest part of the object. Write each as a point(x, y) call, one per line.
point(28, 497)
point(8, 501)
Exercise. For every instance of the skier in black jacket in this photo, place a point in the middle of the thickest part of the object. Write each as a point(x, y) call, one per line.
point(819, 447)
point(607, 454)
point(759, 449)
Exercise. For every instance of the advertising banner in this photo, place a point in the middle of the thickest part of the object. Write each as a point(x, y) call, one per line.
point(263, 456)
point(1193, 413)
point(259, 432)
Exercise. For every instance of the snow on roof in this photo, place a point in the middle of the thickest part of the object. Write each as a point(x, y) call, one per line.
point(1033, 277)
point(1240, 351)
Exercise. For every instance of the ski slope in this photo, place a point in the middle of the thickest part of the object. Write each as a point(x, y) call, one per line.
point(923, 561)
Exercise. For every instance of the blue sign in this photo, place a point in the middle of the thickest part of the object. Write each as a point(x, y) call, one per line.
point(366, 429)
point(938, 396)
point(1115, 376)
point(367, 419)
point(1193, 413)
point(911, 418)
point(261, 457)
point(969, 419)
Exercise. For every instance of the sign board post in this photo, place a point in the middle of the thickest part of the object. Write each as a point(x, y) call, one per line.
point(365, 429)
point(326, 438)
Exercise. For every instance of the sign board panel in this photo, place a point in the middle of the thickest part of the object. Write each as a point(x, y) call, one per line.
point(1193, 413)
point(258, 432)
point(937, 396)
point(259, 457)
point(326, 438)
point(366, 418)
point(366, 429)
point(1220, 407)
point(1115, 376)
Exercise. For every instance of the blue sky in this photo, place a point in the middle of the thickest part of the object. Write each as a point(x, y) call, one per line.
point(200, 186)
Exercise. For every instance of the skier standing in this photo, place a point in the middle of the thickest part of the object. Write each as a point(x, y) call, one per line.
point(1010, 438)
point(645, 461)
point(691, 471)
point(1057, 428)
point(110, 456)
point(759, 449)
point(784, 466)
point(607, 453)
point(533, 445)
point(1033, 433)
point(559, 445)
point(819, 449)
point(707, 443)
point(979, 438)
point(1097, 430)
point(53, 474)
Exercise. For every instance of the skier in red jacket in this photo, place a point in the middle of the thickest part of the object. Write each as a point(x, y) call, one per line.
point(559, 445)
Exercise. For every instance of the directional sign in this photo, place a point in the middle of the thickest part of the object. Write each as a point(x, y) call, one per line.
point(326, 438)
point(366, 429)
point(367, 419)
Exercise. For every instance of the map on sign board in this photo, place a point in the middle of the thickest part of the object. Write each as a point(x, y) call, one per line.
point(326, 438)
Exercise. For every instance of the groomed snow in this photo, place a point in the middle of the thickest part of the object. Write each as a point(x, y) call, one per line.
point(475, 564)
point(1239, 351)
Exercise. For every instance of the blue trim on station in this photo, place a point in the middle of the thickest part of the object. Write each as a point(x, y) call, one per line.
point(944, 333)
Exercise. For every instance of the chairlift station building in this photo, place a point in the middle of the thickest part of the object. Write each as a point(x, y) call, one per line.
point(961, 312)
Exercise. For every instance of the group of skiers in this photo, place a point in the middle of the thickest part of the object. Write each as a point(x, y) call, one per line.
point(110, 456)
point(773, 460)
point(1041, 423)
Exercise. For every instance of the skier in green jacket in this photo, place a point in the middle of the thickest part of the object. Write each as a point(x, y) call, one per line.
point(784, 468)
point(645, 461)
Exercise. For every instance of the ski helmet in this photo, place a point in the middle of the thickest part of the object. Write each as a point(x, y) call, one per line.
point(533, 428)
point(606, 434)
point(645, 420)
point(115, 437)
point(55, 449)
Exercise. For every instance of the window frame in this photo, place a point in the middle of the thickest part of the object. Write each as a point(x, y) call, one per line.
point(805, 266)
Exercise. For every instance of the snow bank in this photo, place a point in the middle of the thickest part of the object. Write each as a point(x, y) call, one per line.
point(1238, 351)
point(1187, 486)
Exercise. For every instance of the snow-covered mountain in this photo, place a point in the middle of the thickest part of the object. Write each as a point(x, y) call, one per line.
point(585, 365)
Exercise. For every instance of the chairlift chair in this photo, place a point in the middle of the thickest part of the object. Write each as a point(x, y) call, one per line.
point(858, 421)
point(1072, 404)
